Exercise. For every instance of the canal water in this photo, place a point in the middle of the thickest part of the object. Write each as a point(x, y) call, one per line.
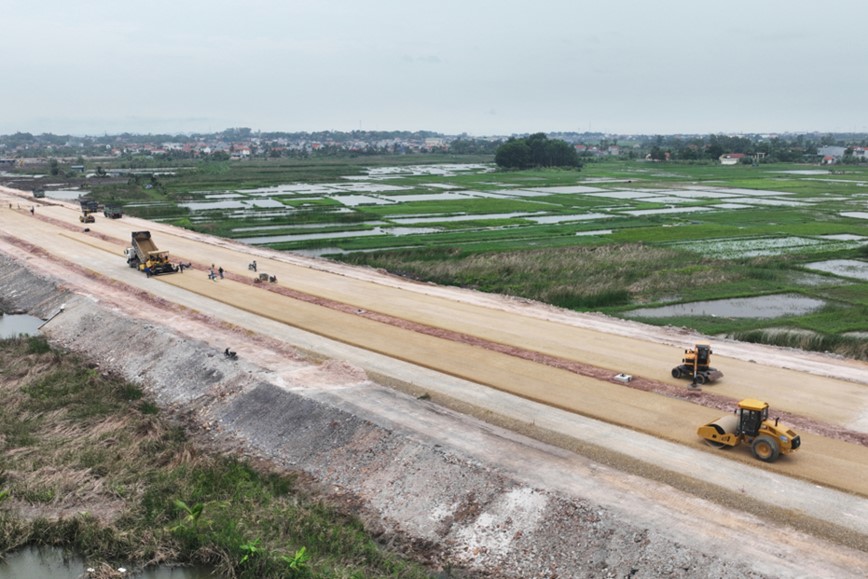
point(13, 325)
point(53, 563)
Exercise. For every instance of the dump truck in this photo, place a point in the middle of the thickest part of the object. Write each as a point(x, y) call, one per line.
point(750, 424)
point(696, 365)
point(113, 211)
point(144, 255)
point(88, 208)
point(39, 193)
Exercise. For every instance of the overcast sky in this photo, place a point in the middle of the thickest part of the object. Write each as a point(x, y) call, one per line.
point(476, 66)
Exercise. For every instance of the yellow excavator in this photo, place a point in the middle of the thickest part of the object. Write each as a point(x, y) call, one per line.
point(696, 365)
point(750, 424)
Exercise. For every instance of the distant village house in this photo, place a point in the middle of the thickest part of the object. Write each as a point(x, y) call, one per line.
point(731, 158)
point(830, 155)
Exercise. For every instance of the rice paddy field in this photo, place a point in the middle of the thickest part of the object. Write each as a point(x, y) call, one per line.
point(775, 253)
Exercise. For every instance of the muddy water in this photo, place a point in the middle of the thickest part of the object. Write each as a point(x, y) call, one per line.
point(760, 307)
point(53, 563)
point(852, 268)
point(13, 325)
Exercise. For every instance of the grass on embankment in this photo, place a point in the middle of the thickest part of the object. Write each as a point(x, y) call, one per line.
point(89, 464)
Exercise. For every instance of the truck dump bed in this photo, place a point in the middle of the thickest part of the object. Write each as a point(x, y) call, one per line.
point(143, 244)
point(147, 257)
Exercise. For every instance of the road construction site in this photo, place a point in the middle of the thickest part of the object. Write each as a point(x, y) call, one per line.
point(492, 430)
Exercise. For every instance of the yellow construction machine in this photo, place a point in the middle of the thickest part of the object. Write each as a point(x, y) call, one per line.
point(750, 424)
point(88, 208)
point(696, 365)
point(144, 255)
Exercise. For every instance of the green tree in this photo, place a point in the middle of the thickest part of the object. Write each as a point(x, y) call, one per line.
point(514, 154)
point(537, 150)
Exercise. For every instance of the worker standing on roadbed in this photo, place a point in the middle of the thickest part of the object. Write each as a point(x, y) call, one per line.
point(221, 272)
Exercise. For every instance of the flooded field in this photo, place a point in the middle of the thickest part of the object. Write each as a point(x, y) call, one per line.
point(849, 268)
point(567, 218)
point(438, 198)
point(740, 248)
point(666, 211)
point(760, 307)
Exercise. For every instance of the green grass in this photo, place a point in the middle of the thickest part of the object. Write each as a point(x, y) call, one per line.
point(847, 346)
point(76, 441)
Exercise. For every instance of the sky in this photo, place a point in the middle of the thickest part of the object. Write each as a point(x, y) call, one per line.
point(481, 67)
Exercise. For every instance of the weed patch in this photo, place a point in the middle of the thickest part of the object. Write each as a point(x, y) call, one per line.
point(107, 476)
point(811, 341)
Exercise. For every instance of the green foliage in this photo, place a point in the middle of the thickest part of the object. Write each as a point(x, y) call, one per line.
point(537, 150)
point(37, 345)
point(72, 390)
point(249, 551)
point(191, 514)
point(297, 563)
point(514, 154)
point(579, 301)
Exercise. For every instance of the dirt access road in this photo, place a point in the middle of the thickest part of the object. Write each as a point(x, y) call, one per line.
point(544, 371)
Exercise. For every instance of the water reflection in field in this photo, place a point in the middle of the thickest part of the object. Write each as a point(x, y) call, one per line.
point(851, 268)
point(761, 307)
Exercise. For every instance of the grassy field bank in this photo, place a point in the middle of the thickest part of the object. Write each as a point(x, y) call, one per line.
point(88, 463)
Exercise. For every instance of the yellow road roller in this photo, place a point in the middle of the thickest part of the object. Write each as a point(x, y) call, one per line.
point(750, 424)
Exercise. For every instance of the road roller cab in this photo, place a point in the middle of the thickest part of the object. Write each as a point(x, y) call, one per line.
point(751, 424)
